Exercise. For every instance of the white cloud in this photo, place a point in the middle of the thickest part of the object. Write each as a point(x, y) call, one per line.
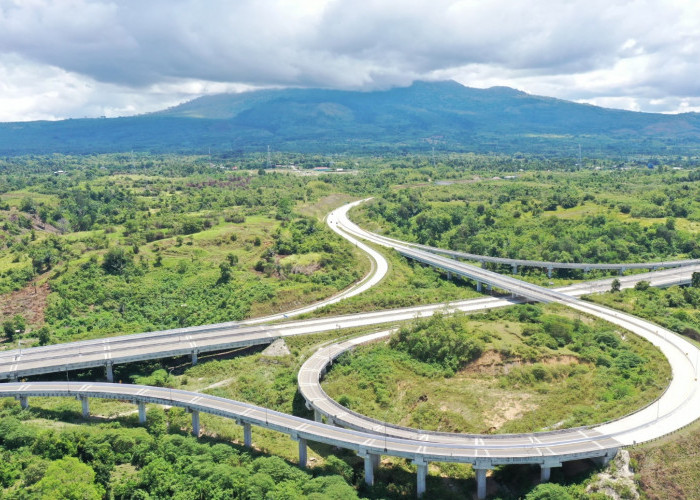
point(100, 57)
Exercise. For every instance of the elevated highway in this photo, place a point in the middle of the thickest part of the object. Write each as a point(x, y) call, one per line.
point(368, 445)
point(194, 341)
point(680, 405)
point(680, 402)
point(516, 263)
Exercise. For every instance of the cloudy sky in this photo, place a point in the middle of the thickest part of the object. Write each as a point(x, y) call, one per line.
point(75, 58)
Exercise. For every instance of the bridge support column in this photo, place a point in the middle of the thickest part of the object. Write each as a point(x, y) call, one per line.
point(194, 358)
point(449, 276)
point(605, 459)
point(247, 434)
point(369, 471)
point(515, 269)
point(371, 463)
point(478, 286)
point(622, 271)
point(24, 402)
point(142, 412)
point(109, 373)
point(318, 416)
point(195, 423)
point(480, 483)
point(546, 469)
point(421, 474)
point(302, 451)
point(545, 473)
point(85, 403)
point(488, 287)
point(549, 272)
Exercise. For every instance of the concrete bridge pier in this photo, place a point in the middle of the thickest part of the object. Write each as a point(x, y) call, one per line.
point(109, 372)
point(302, 450)
point(480, 483)
point(247, 434)
point(515, 269)
point(449, 276)
point(605, 459)
point(194, 358)
point(86, 406)
point(421, 474)
point(478, 286)
point(371, 464)
point(622, 271)
point(24, 402)
point(142, 412)
point(546, 470)
point(545, 473)
point(318, 416)
point(549, 272)
point(195, 423)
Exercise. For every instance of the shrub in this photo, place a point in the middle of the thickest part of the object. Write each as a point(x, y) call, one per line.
point(116, 261)
point(558, 328)
point(549, 491)
point(439, 340)
point(642, 285)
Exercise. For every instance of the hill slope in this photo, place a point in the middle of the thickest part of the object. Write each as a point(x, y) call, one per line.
point(445, 115)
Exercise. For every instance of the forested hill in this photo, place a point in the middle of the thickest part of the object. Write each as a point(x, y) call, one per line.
point(443, 115)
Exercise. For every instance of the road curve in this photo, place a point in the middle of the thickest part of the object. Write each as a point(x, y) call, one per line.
point(524, 449)
point(677, 407)
point(536, 263)
point(624, 431)
point(18, 363)
point(380, 267)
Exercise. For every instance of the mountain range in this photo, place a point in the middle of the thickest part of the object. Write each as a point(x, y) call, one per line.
point(443, 115)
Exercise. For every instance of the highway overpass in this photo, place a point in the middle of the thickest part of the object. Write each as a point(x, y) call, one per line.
point(678, 406)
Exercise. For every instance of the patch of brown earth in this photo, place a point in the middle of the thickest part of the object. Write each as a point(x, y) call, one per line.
point(493, 363)
point(37, 223)
point(490, 363)
point(561, 360)
point(308, 270)
point(506, 409)
point(30, 302)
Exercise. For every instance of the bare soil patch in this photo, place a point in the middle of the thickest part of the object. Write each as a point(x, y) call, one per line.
point(493, 363)
point(37, 223)
point(30, 302)
point(506, 409)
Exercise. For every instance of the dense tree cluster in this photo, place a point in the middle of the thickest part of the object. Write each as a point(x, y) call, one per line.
point(440, 340)
point(109, 461)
